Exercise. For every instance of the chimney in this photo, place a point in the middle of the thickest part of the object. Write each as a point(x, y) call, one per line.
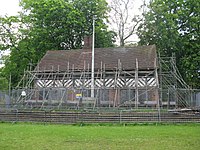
point(87, 42)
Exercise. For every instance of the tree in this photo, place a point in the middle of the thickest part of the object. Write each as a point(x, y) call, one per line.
point(98, 10)
point(8, 32)
point(174, 26)
point(3, 81)
point(123, 19)
point(65, 21)
point(46, 24)
point(104, 37)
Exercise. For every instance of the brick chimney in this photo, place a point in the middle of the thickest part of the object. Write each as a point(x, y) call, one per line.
point(87, 42)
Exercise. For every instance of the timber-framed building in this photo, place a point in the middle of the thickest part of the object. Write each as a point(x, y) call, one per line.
point(123, 77)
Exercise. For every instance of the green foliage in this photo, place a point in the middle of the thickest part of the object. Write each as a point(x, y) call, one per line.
point(3, 81)
point(173, 25)
point(19, 61)
point(104, 39)
point(45, 24)
point(8, 34)
point(3, 84)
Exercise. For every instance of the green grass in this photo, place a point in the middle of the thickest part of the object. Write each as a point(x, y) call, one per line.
point(67, 137)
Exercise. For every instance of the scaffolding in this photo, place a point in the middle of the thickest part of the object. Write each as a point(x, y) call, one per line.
point(113, 88)
point(174, 92)
point(160, 87)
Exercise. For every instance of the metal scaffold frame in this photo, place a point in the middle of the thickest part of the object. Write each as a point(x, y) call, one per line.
point(113, 88)
point(161, 87)
point(174, 91)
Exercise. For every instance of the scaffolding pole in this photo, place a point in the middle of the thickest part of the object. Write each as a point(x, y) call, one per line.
point(92, 76)
point(136, 86)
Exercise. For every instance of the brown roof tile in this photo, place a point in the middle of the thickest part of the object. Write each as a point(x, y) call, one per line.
point(59, 59)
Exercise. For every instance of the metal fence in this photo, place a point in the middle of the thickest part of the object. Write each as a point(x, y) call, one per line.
point(5, 100)
point(184, 98)
point(45, 106)
point(61, 98)
point(121, 116)
point(107, 97)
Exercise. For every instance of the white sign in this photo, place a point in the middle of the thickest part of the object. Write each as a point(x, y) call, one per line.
point(23, 93)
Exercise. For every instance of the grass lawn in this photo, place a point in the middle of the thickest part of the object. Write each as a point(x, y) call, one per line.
point(67, 137)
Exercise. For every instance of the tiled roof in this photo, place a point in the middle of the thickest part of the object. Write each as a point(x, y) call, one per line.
point(110, 57)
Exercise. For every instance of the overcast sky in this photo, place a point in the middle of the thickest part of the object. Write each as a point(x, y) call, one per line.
point(9, 7)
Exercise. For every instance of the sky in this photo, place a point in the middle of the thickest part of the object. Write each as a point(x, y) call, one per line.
point(9, 7)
